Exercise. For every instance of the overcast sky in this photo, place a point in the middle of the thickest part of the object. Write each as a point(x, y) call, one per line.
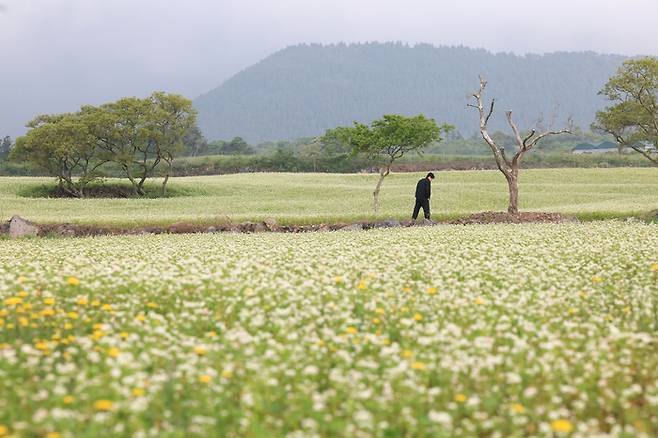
point(60, 54)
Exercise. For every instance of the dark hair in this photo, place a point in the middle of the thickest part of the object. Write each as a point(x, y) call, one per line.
point(430, 175)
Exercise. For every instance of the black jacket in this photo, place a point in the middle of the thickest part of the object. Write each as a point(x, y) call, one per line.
point(424, 189)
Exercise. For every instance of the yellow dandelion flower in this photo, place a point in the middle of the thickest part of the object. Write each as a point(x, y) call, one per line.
point(48, 301)
point(338, 279)
point(200, 350)
point(53, 435)
point(418, 366)
point(103, 405)
point(479, 301)
point(460, 398)
point(562, 426)
point(376, 321)
point(627, 310)
point(517, 408)
point(124, 335)
point(152, 305)
point(140, 318)
point(351, 330)
point(406, 289)
point(431, 290)
point(654, 267)
point(106, 307)
point(13, 301)
point(418, 317)
point(138, 392)
point(22, 294)
point(48, 311)
point(73, 281)
point(23, 321)
point(596, 279)
point(3, 430)
point(113, 352)
point(407, 354)
point(212, 334)
point(82, 301)
point(41, 346)
point(95, 303)
point(380, 311)
point(205, 378)
point(68, 399)
point(362, 285)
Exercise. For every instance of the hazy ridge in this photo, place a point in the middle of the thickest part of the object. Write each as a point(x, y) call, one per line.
point(303, 90)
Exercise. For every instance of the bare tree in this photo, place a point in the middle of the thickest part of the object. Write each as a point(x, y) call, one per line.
point(509, 168)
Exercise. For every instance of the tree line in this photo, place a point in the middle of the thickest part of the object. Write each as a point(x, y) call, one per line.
point(140, 136)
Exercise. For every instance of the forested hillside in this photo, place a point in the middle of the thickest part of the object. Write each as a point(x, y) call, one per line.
point(304, 90)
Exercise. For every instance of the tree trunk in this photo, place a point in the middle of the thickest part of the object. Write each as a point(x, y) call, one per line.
point(383, 172)
point(513, 185)
point(166, 180)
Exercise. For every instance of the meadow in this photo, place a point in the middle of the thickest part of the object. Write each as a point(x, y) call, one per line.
point(315, 198)
point(496, 330)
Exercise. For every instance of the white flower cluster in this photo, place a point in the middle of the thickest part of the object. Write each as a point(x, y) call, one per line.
point(505, 330)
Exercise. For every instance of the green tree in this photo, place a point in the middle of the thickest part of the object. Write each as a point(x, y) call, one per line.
point(170, 118)
point(387, 140)
point(194, 141)
point(140, 134)
point(5, 147)
point(633, 119)
point(62, 146)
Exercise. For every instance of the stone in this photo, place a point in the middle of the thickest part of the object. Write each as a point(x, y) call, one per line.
point(211, 229)
point(352, 227)
point(19, 227)
point(389, 223)
point(259, 228)
point(271, 224)
point(67, 230)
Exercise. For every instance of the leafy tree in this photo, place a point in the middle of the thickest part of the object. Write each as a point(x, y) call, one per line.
point(5, 147)
point(139, 134)
point(509, 168)
point(387, 140)
point(194, 141)
point(633, 119)
point(170, 118)
point(63, 146)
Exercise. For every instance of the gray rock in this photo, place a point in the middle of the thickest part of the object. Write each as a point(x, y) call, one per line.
point(19, 227)
point(390, 223)
point(211, 229)
point(271, 224)
point(353, 227)
point(67, 230)
point(259, 228)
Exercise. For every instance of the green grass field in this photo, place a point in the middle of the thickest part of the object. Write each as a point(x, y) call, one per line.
point(485, 330)
point(314, 198)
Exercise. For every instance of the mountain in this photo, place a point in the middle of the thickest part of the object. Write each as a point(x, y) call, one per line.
point(305, 89)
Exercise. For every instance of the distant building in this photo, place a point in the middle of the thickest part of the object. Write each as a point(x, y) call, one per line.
point(603, 148)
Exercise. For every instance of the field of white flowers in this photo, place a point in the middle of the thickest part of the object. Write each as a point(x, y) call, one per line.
point(503, 330)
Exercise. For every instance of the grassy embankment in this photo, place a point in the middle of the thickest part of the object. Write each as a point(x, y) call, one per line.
point(315, 198)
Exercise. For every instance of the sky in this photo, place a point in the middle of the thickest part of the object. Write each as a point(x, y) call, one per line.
point(59, 54)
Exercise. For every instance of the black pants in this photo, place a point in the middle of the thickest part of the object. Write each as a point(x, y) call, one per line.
point(425, 205)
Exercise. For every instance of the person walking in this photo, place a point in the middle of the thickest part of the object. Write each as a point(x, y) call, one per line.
point(423, 193)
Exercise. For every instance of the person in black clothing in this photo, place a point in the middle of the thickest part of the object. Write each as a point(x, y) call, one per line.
point(423, 193)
